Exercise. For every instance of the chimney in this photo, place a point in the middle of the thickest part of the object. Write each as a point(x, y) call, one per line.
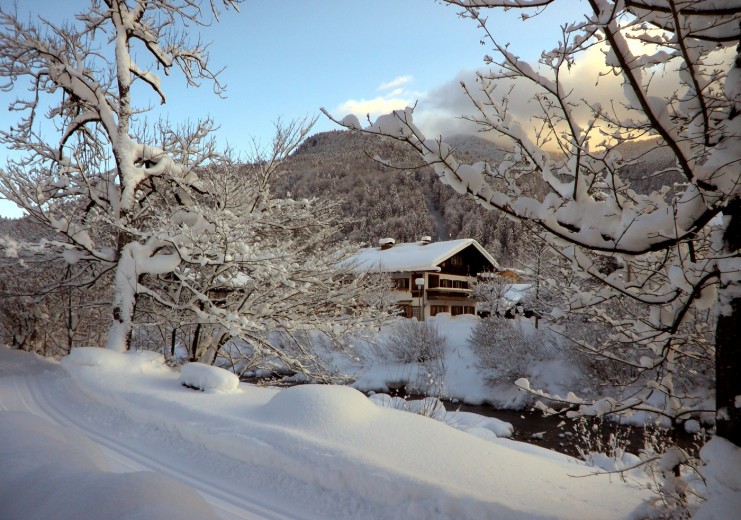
point(426, 239)
point(386, 243)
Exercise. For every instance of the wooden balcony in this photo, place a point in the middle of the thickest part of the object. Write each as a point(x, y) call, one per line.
point(447, 293)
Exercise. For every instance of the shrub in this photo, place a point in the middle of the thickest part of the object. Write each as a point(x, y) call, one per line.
point(419, 346)
point(412, 341)
point(509, 346)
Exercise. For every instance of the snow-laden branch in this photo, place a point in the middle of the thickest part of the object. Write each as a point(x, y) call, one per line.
point(642, 261)
point(595, 222)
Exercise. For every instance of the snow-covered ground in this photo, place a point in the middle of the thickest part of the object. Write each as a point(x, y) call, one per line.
point(305, 452)
point(463, 378)
point(103, 434)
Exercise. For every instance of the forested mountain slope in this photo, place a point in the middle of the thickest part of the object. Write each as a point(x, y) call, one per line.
point(406, 201)
point(402, 201)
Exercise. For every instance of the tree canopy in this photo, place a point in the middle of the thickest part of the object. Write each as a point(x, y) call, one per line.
point(677, 246)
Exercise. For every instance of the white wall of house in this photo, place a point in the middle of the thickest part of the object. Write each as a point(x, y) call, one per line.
point(439, 293)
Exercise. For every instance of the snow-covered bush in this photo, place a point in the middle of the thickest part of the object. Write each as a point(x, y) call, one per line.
point(417, 350)
point(314, 348)
point(431, 407)
point(510, 346)
point(412, 341)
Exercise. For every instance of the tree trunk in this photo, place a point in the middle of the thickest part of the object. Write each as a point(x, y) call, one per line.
point(124, 301)
point(209, 357)
point(195, 344)
point(728, 344)
point(173, 342)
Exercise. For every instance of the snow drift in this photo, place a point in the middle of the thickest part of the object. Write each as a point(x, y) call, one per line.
point(335, 440)
point(52, 472)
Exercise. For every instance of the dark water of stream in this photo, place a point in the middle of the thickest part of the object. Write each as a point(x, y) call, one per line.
point(567, 435)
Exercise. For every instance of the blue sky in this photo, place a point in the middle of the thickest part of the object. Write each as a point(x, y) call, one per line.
point(286, 59)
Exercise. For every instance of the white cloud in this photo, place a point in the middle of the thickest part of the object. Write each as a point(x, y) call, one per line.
point(394, 97)
point(444, 107)
point(373, 107)
point(396, 82)
point(442, 110)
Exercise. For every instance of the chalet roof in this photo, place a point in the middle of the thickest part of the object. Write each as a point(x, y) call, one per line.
point(415, 256)
point(511, 295)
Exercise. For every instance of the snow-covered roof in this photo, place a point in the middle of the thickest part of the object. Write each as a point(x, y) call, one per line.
point(512, 295)
point(414, 256)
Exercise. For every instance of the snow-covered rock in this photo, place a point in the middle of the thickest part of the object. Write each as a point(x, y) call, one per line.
point(208, 378)
point(475, 423)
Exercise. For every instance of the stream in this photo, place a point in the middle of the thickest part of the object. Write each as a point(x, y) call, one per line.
point(568, 435)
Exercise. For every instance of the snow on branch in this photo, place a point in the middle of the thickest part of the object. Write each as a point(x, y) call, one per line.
point(646, 257)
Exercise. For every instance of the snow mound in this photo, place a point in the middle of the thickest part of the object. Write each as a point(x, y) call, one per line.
point(318, 408)
point(479, 425)
point(75, 484)
point(141, 361)
point(722, 460)
point(337, 443)
point(208, 378)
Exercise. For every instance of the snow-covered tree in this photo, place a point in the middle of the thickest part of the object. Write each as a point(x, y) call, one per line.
point(95, 182)
point(46, 304)
point(678, 246)
point(541, 267)
point(185, 233)
point(253, 266)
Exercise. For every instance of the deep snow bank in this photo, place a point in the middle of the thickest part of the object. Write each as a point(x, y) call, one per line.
point(723, 473)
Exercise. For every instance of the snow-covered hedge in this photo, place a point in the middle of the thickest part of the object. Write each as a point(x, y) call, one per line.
point(208, 378)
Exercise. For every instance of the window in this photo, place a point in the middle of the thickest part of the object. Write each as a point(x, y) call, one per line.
point(405, 311)
point(457, 260)
point(401, 284)
point(457, 310)
point(436, 309)
point(453, 284)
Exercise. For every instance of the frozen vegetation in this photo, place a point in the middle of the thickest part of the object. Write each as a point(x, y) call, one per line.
point(310, 451)
point(195, 269)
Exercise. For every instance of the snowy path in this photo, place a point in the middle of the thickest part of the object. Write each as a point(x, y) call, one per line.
point(41, 389)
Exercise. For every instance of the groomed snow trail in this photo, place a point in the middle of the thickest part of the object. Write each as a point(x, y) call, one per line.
point(43, 388)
